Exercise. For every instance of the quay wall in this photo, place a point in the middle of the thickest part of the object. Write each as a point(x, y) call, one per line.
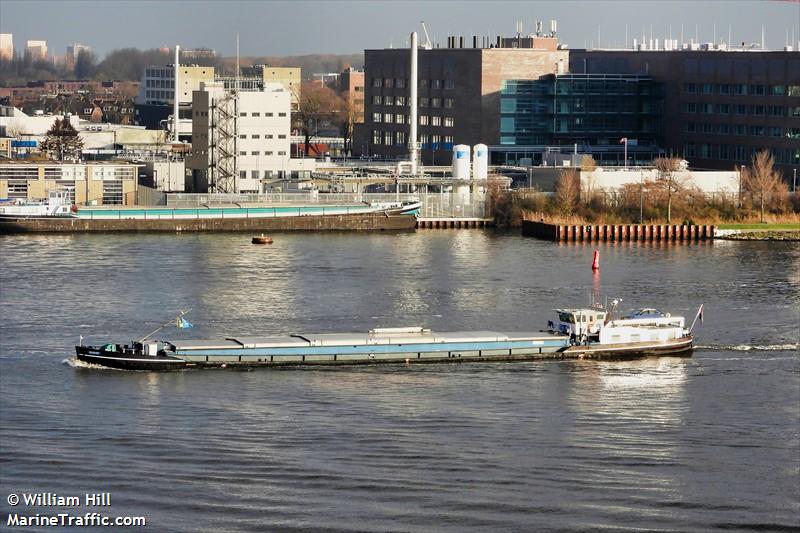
point(352, 222)
point(617, 232)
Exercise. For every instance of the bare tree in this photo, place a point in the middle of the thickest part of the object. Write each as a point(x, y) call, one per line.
point(344, 117)
point(669, 179)
point(761, 179)
point(568, 190)
point(588, 163)
point(316, 104)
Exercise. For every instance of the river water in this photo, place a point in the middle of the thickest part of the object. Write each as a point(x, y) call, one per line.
point(710, 442)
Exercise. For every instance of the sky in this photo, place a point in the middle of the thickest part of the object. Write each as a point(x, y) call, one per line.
point(283, 28)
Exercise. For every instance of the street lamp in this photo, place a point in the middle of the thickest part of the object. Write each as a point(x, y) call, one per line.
point(641, 197)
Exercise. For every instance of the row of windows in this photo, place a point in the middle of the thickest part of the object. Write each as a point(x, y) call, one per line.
point(402, 83)
point(163, 95)
point(266, 136)
point(258, 114)
point(258, 152)
point(398, 138)
point(403, 101)
point(741, 89)
point(255, 174)
point(758, 110)
point(424, 120)
point(741, 129)
point(737, 152)
point(160, 84)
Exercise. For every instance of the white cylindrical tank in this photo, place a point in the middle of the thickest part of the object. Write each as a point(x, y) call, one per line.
point(461, 162)
point(480, 162)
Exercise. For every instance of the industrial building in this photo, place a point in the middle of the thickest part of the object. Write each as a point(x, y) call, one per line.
point(6, 46)
point(528, 97)
point(289, 77)
point(459, 92)
point(587, 112)
point(721, 105)
point(241, 139)
point(95, 183)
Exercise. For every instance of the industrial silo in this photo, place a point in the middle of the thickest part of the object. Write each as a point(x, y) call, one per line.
point(480, 162)
point(461, 162)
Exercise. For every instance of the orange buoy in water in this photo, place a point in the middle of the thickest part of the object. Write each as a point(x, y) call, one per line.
point(262, 239)
point(596, 261)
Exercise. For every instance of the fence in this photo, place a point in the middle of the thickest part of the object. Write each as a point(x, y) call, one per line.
point(434, 205)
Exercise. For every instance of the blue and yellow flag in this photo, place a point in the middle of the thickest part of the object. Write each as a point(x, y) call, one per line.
point(183, 323)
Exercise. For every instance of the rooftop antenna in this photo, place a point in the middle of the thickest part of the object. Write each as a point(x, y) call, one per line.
point(729, 35)
point(715, 33)
point(681, 34)
point(626, 35)
point(236, 74)
point(762, 37)
point(175, 95)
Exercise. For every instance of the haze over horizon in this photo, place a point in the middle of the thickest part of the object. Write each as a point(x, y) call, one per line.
point(281, 28)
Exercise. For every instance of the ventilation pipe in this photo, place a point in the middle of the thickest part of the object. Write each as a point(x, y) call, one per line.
point(412, 134)
point(176, 106)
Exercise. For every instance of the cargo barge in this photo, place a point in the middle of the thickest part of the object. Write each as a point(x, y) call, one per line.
point(576, 333)
point(54, 217)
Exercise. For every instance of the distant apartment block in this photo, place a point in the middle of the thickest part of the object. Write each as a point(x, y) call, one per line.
point(73, 51)
point(36, 50)
point(6, 46)
point(350, 86)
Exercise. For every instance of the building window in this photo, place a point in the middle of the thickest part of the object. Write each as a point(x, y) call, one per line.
point(268, 153)
point(242, 114)
point(242, 152)
point(448, 122)
point(256, 136)
point(282, 152)
point(387, 138)
point(376, 117)
point(723, 129)
point(423, 120)
point(757, 90)
point(758, 110)
point(268, 114)
point(448, 103)
point(255, 152)
point(690, 127)
point(741, 109)
point(777, 90)
point(400, 83)
point(376, 136)
point(243, 174)
point(689, 88)
point(281, 114)
point(707, 88)
point(399, 119)
point(436, 84)
point(740, 89)
point(706, 108)
point(243, 136)
point(399, 138)
point(269, 136)
point(449, 84)
point(376, 99)
point(388, 100)
point(254, 174)
point(400, 100)
point(776, 132)
point(739, 129)
point(388, 118)
point(388, 82)
point(423, 102)
point(435, 140)
point(281, 136)
point(757, 131)
point(689, 107)
point(256, 114)
point(724, 89)
point(423, 83)
point(723, 109)
point(436, 102)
